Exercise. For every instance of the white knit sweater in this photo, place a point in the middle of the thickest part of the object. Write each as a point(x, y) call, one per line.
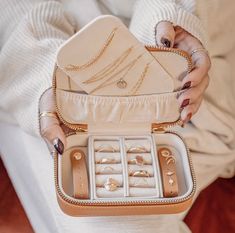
point(32, 30)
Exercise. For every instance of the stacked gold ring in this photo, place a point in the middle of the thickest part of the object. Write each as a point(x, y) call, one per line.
point(48, 114)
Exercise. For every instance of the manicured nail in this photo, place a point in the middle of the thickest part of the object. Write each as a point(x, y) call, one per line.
point(59, 146)
point(188, 118)
point(165, 42)
point(186, 85)
point(185, 103)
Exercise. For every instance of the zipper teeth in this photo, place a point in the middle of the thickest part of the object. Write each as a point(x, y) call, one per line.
point(174, 50)
point(128, 202)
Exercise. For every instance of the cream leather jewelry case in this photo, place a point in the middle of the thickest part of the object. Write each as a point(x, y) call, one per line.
point(119, 99)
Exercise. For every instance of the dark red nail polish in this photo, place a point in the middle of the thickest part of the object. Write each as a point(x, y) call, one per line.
point(165, 42)
point(186, 85)
point(58, 145)
point(185, 103)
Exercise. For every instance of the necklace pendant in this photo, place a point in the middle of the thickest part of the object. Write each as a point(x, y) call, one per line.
point(121, 83)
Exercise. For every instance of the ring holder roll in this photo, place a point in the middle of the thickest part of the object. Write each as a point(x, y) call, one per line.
point(120, 133)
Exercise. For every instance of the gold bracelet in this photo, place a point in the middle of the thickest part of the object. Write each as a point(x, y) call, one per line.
point(47, 114)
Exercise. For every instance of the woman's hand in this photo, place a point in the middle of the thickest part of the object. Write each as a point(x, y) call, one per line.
point(196, 82)
point(52, 129)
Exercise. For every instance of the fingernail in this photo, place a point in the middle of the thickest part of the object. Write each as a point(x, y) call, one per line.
point(186, 85)
point(165, 42)
point(185, 103)
point(59, 146)
point(188, 118)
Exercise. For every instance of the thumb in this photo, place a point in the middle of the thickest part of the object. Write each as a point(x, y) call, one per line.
point(165, 34)
point(50, 125)
point(53, 134)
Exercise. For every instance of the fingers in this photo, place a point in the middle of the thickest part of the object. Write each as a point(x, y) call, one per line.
point(53, 133)
point(50, 124)
point(201, 69)
point(165, 34)
point(190, 110)
point(191, 99)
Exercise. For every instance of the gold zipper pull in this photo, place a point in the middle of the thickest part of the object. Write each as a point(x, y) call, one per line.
point(162, 127)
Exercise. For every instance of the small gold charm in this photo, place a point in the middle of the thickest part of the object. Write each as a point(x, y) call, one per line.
point(121, 83)
point(171, 181)
point(170, 173)
point(166, 153)
point(111, 184)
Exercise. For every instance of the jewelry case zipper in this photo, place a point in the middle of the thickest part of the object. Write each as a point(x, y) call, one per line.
point(156, 128)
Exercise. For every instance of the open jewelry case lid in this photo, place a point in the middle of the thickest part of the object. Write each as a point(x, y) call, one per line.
point(82, 101)
point(89, 108)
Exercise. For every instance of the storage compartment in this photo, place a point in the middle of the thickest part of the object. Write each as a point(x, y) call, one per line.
point(126, 167)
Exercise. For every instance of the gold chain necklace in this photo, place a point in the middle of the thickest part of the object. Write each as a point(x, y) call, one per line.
point(109, 68)
point(71, 67)
point(140, 81)
point(126, 68)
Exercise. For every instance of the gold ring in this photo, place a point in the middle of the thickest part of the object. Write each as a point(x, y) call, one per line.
point(111, 184)
point(199, 50)
point(137, 149)
point(140, 182)
point(105, 148)
point(138, 160)
point(47, 114)
point(140, 173)
point(107, 169)
point(108, 160)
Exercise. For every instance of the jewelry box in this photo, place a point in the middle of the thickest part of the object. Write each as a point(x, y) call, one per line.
point(121, 158)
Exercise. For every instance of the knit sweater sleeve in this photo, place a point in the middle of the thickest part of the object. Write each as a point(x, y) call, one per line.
point(148, 13)
point(31, 32)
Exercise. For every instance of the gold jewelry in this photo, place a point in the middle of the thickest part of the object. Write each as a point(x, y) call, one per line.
point(109, 68)
point(126, 68)
point(140, 182)
point(111, 184)
point(137, 149)
point(71, 67)
point(168, 172)
point(199, 50)
point(140, 81)
point(105, 148)
point(166, 153)
point(140, 173)
point(47, 114)
point(108, 169)
point(138, 160)
point(108, 161)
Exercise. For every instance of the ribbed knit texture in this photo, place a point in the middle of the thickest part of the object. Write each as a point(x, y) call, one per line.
point(28, 56)
point(148, 13)
point(32, 31)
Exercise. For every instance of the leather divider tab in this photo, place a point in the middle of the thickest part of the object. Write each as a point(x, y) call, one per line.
point(168, 172)
point(80, 176)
